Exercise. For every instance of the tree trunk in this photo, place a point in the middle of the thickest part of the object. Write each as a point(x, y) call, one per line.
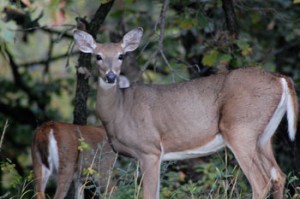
point(82, 87)
point(230, 17)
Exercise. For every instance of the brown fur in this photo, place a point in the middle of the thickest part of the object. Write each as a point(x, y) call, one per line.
point(148, 121)
point(71, 160)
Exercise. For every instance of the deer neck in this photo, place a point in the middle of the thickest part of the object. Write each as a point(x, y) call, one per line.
point(108, 100)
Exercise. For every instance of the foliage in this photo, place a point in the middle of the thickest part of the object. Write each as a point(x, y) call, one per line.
point(38, 70)
point(13, 178)
point(16, 186)
point(217, 179)
point(83, 145)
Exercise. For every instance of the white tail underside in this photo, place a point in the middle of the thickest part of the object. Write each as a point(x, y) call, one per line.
point(277, 115)
point(53, 153)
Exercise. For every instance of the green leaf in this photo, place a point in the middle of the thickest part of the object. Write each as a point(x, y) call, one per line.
point(256, 18)
point(105, 1)
point(211, 58)
point(83, 145)
point(88, 171)
point(296, 1)
point(225, 59)
point(188, 23)
point(244, 46)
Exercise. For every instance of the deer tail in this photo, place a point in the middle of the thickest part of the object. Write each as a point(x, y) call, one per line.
point(292, 109)
point(288, 104)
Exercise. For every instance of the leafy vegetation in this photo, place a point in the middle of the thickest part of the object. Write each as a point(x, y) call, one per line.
point(39, 67)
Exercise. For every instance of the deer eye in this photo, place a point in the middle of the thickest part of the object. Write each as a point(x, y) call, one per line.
point(98, 57)
point(121, 57)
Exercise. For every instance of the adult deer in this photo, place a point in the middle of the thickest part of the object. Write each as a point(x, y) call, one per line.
point(240, 109)
point(55, 150)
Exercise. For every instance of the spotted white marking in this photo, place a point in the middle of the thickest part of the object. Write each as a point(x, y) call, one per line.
point(213, 146)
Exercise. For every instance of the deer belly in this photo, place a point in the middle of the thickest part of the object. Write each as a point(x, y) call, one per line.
point(211, 147)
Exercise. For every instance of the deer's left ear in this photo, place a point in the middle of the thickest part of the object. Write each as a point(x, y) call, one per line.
point(132, 39)
point(84, 41)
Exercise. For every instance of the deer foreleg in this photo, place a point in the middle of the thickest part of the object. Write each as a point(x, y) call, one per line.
point(150, 168)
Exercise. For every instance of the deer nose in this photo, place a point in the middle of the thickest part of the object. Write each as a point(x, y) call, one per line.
point(111, 77)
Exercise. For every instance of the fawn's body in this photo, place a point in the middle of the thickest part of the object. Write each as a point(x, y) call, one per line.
point(55, 152)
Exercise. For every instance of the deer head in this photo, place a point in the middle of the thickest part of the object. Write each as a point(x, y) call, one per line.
point(109, 56)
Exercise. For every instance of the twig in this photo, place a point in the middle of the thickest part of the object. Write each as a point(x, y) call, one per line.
point(161, 39)
point(160, 49)
point(3, 133)
point(109, 179)
point(49, 30)
point(54, 58)
point(19, 81)
point(275, 52)
point(69, 52)
point(154, 54)
point(50, 50)
point(170, 67)
point(137, 186)
point(162, 23)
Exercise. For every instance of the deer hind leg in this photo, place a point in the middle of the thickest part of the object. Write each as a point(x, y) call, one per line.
point(64, 180)
point(271, 167)
point(42, 175)
point(245, 151)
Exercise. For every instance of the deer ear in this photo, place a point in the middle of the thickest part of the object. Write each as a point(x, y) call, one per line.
point(123, 82)
point(132, 39)
point(84, 41)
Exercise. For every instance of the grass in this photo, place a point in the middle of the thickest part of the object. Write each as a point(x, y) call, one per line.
point(3, 133)
point(217, 177)
point(226, 182)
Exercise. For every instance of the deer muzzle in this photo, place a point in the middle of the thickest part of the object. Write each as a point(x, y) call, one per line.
point(111, 77)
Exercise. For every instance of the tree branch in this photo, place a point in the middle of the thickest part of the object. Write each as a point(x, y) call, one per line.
point(52, 59)
point(99, 18)
point(61, 34)
point(20, 83)
point(50, 51)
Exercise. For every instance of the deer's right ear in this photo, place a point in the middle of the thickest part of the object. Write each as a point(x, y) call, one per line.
point(84, 41)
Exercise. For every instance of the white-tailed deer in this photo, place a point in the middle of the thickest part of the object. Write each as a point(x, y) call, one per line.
point(55, 151)
point(240, 109)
